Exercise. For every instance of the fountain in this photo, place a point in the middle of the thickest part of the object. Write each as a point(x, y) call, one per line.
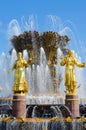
point(43, 107)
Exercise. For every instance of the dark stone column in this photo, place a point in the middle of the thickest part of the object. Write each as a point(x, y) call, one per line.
point(72, 102)
point(19, 106)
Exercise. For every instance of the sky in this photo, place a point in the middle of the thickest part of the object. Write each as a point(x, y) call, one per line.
point(69, 13)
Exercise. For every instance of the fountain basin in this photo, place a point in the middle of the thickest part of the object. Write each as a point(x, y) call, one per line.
point(43, 124)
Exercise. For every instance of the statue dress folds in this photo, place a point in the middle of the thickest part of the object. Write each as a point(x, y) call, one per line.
point(70, 61)
point(19, 66)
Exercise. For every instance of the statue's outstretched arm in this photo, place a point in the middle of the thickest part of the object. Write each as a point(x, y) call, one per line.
point(10, 70)
point(80, 64)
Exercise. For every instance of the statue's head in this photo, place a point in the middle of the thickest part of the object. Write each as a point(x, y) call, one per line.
point(70, 52)
point(19, 55)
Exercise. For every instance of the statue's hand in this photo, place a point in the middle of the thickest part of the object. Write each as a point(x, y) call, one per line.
point(30, 60)
point(84, 64)
point(62, 57)
point(9, 71)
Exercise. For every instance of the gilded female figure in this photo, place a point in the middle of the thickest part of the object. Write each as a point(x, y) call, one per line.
point(19, 84)
point(70, 61)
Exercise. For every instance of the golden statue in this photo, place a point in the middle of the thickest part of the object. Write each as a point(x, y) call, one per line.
point(19, 84)
point(70, 61)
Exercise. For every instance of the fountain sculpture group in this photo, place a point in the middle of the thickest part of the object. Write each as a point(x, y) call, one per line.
point(20, 87)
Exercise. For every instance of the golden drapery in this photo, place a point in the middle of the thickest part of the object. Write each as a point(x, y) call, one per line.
point(70, 61)
point(19, 66)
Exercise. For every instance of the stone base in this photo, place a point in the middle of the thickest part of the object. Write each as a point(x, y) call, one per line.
point(19, 106)
point(72, 102)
